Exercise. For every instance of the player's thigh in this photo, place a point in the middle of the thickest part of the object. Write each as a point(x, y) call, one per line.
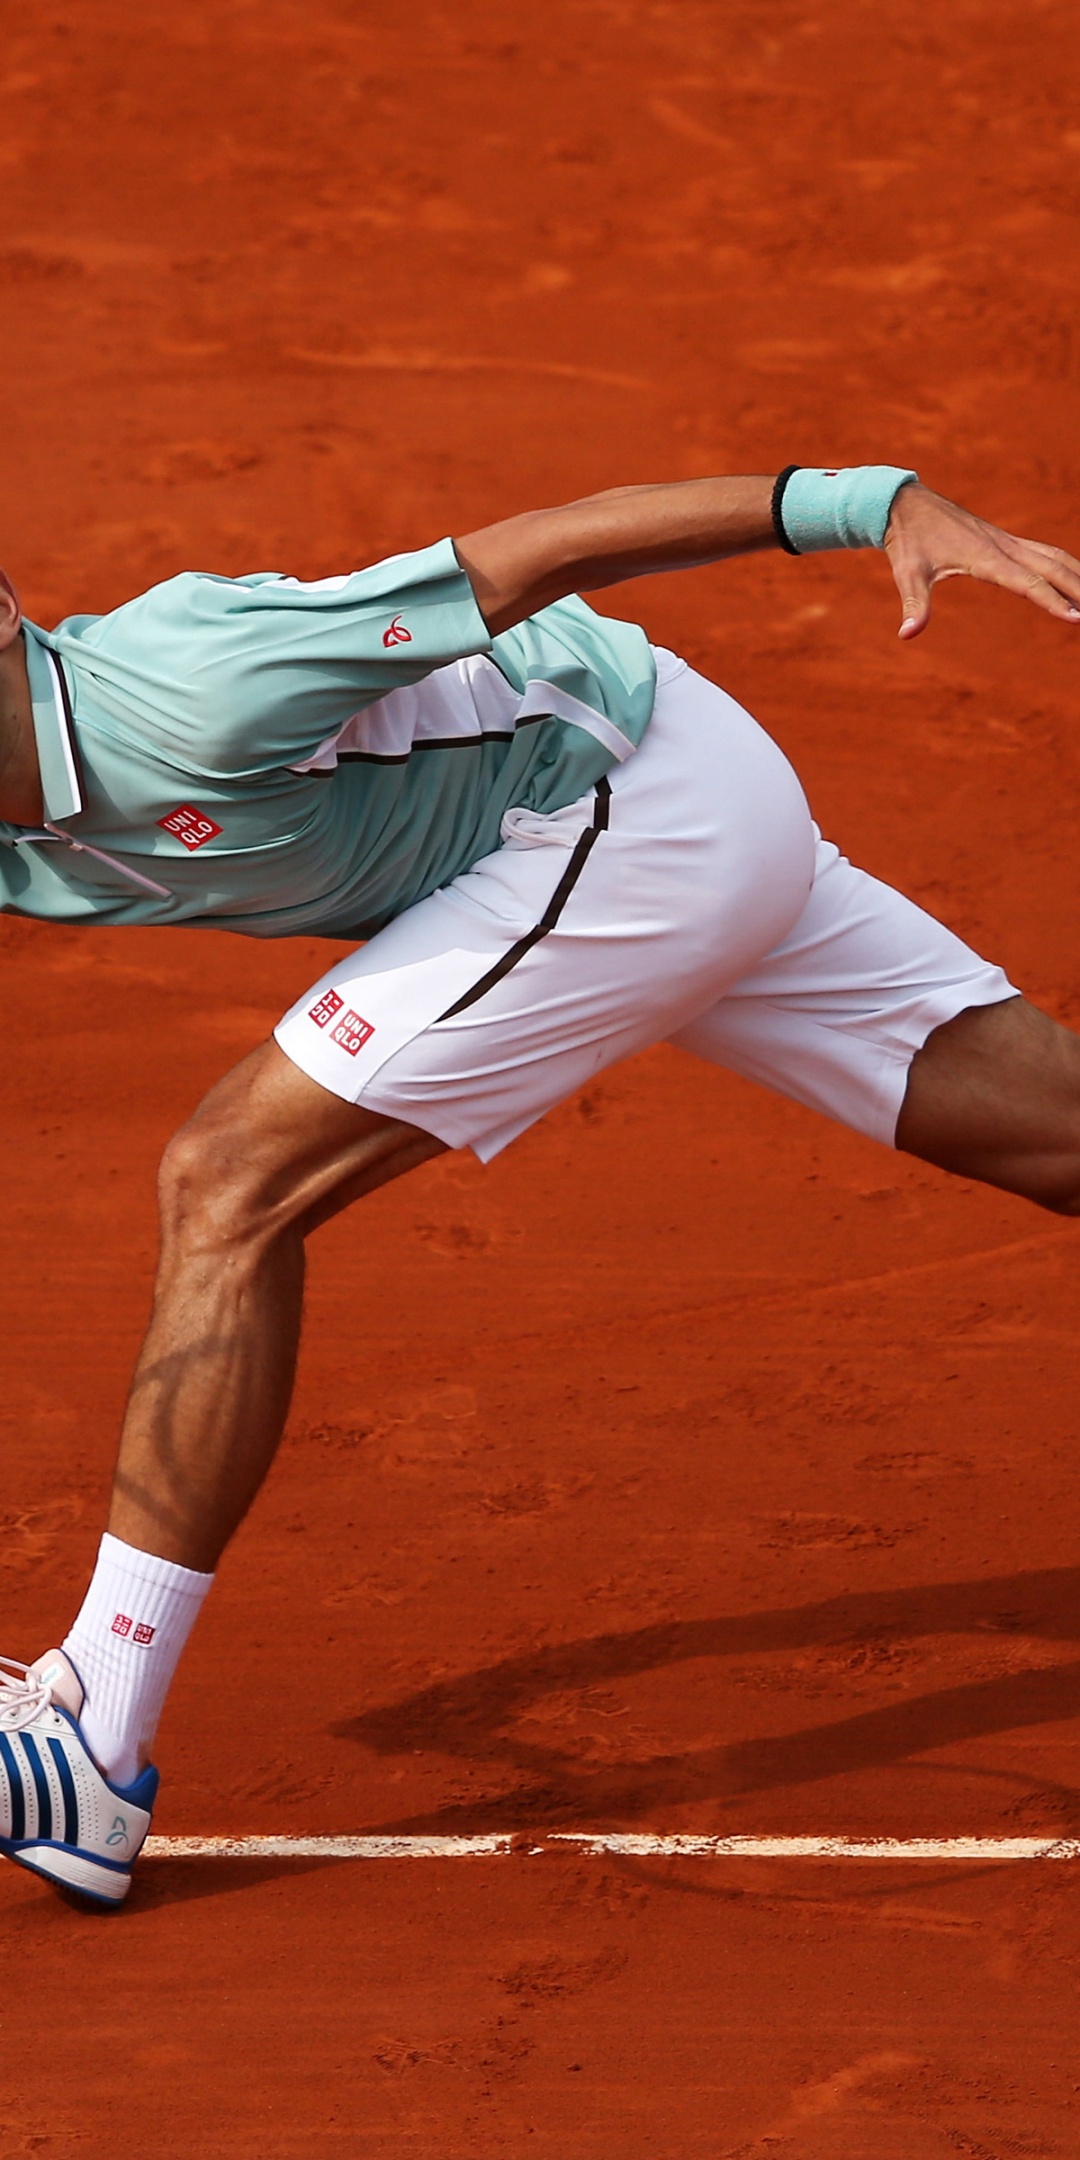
point(834, 1016)
point(994, 1094)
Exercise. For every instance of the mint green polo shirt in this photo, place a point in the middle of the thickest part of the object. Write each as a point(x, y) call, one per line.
point(170, 732)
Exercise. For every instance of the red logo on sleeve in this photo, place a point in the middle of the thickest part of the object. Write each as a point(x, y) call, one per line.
point(325, 1008)
point(144, 1633)
point(352, 1032)
point(192, 827)
point(121, 1625)
point(397, 633)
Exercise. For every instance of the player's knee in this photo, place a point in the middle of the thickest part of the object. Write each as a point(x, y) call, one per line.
point(995, 1094)
point(209, 1186)
point(1057, 1188)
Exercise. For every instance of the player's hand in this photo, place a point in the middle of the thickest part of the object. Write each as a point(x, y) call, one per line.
point(929, 539)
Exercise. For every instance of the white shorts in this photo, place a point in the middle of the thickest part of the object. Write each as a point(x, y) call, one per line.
point(690, 897)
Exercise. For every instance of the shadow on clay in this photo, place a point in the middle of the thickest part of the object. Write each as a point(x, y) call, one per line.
point(187, 1882)
point(156, 1883)
point(474, 1717)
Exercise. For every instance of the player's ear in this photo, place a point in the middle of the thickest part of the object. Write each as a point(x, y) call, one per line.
point(10, 612)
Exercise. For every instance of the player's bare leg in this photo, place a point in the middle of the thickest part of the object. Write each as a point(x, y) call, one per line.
point(267, 1157)
point(995, 1095)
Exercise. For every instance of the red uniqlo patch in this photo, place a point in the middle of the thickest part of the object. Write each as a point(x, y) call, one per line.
point(325, 1008)
point(121, 1625)
point(192, 827)
point(143, 1633)
point(352, 1032)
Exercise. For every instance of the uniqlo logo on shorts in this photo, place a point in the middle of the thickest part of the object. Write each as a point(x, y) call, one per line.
point(326, 1008)
point(143, 1633)
point(191, 827)
point(121, 1625)
point(352, 1032)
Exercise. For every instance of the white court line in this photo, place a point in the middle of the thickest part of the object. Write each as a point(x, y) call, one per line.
point(639, 1844)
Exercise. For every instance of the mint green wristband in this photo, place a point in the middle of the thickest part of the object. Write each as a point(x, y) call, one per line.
point(849, 508)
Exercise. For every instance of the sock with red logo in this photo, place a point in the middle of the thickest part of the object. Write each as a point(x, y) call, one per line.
point(125, 1646)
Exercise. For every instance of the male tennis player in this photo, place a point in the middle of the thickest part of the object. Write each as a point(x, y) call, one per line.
point(558, 845)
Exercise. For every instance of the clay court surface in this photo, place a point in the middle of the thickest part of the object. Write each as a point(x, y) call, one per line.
point(698, 1467)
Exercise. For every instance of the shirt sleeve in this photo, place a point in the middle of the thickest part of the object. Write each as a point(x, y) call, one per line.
point(234, 677)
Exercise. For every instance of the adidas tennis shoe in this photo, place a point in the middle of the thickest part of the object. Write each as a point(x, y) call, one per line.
point(59, 1815)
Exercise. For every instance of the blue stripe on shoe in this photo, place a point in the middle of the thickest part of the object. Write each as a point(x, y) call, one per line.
point(15, 1784)
point(67, 1787)
point(41, 1785)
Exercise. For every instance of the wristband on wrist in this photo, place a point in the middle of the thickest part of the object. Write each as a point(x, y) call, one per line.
point(813, 508)
point(778, 493)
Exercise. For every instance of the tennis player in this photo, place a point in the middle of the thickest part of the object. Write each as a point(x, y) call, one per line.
point(550, 844)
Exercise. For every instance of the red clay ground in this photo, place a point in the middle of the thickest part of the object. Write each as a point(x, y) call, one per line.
point(697, 1466)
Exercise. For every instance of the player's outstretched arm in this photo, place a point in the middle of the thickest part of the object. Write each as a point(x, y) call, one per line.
point(526, 562)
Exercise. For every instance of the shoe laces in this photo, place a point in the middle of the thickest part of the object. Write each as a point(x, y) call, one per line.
point(23, 1696)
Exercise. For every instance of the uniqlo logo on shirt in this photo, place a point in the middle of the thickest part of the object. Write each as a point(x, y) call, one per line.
point(352, 1032)
point(121, 1625)
point(143, 1633)
point(325, 1008)
point(191, 827)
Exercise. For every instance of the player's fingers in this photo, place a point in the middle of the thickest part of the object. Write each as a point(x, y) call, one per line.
point(1032, 577)
point(913, 584)
point(1042, 547)
point(1060, 569)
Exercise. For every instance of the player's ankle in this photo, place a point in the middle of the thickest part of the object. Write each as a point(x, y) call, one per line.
point(125, 1644)
point(117, 1759)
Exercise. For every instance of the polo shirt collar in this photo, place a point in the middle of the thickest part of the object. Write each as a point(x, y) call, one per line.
point(53, 729)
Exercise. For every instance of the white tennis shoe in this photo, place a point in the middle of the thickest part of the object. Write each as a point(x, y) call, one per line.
point(59, 1815)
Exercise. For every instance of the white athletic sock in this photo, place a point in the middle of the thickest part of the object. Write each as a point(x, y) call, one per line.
point(126, 1645)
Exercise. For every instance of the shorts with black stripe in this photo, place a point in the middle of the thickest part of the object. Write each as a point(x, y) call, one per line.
point(689, 897)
